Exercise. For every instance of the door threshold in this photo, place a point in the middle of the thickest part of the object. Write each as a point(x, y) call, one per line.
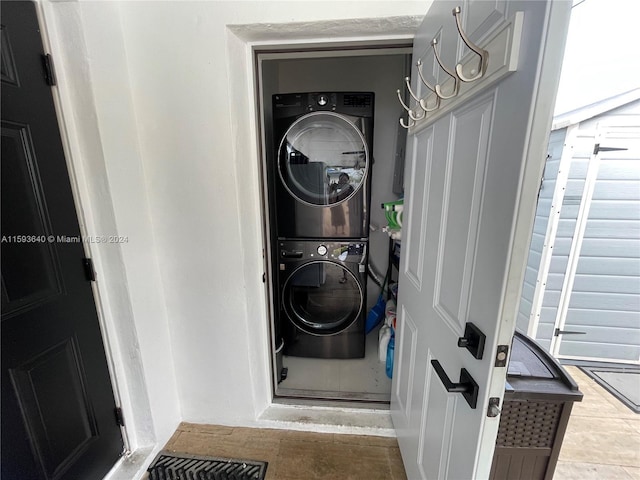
point(133, 466)
point(284, 398)
point(334, 417)
point(347, 399)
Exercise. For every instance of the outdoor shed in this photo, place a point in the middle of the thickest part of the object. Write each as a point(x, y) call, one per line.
point(581, 294)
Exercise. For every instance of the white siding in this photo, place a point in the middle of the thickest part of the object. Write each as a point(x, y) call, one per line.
point(556, 144)
point(608, 272)
point(605, 298)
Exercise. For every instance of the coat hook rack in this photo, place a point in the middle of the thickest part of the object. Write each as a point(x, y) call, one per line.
point(423, 104)
point(452, 74)
point(412, 117)
point(483, 54)
point(456, 74)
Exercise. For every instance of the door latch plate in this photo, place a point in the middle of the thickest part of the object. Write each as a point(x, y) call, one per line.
point(501, 356)
point(493, 409)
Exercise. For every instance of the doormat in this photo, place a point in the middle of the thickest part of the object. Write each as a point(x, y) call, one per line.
point(622, 383)
point(180, 466)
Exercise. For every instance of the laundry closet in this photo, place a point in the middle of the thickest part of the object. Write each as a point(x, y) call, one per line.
point(332, 154)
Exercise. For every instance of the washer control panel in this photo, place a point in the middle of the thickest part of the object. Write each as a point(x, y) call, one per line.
point(297, 250)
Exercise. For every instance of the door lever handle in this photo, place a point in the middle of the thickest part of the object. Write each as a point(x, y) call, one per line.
point(467, 386)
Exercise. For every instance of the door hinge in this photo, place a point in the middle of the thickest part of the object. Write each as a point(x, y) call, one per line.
point(119, 416)
point(49, 71)
point(567, 332)
point(597, 149)
point(542, 178)
point(89, 271)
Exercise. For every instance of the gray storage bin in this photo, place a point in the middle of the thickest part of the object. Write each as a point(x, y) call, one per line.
point(537, 403)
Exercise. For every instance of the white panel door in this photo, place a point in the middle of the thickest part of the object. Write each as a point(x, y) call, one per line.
point(473, 169)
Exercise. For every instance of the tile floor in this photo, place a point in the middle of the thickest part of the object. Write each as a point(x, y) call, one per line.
point(365, 377)
point(602, 442)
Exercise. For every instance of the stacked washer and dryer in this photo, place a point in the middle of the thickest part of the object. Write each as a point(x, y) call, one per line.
point(319, 177)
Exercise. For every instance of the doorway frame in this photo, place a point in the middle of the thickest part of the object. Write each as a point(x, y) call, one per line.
point(267, 54)
point(71, 152)
point(245, 43)
point(113, 305)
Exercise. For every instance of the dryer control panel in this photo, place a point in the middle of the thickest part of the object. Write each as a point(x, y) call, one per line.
point(358, 104)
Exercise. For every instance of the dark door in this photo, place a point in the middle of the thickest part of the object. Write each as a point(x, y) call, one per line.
point(57, 400)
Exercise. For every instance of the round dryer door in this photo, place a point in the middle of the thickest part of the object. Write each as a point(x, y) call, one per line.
point(323, 159)
point(322, 298)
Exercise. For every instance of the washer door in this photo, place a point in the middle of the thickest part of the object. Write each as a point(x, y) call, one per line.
point(323, 159)
point(322, 298)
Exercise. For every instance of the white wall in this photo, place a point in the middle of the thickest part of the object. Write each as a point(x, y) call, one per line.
point(174, 133)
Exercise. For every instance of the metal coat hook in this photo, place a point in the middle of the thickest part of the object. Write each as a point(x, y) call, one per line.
point(423, 104)
point(452, 74)
point(420, 101)
point(411, 123)
point(409, 111)
point(483, 54)
point(407, 81)
point(412, 116)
